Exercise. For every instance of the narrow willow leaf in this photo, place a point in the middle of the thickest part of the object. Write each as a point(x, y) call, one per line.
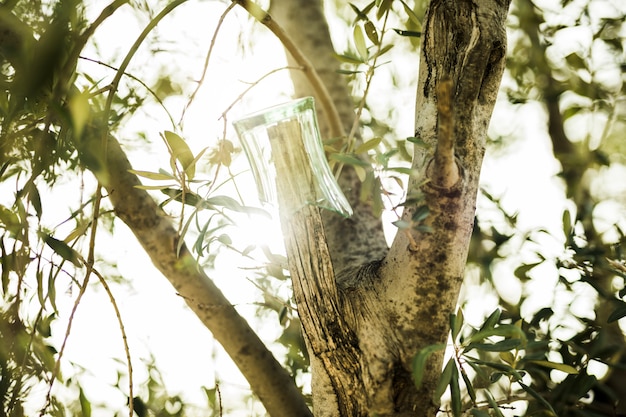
point(179, 149)
point(505, 330)
point(359, 14)
point(412, 16)
point(538, 397)
point(457, 323)
point(35, 199)
point(369, 145)
point(189, 198)
point(52, 291)
point(9, 219)
point(190, 171)
point(419, 362)
point(501, 346)
point(567, 224)
point(455, 393)
point(349, 59)
point(359, 42)
point(6, 267)
point(85, 405)
point(154, 187)
point(383, 7)
point(507, 357)
point(402, 224)
point(444, 381)
point(468, 385)
point(492, 320)
point(408, 33)
point(348, 159)
point(156, 176)
point(371, 32)
point(40, 296)
point(62, 249)
point(479, 413)
point(347, 72)
point(232, 204)
point(493, 404)
point(568, 369)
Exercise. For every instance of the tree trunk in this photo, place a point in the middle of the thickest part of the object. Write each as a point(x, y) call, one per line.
point(364, 334)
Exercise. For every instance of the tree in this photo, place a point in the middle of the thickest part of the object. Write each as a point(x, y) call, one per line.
point(375, 320)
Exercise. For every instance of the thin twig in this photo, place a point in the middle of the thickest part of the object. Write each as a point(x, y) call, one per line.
point(83, 289)
point(107, 289)
point(325, 100)
point(206, 62)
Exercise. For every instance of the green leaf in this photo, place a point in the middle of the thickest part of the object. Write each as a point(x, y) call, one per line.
point(156, 176)
point(383, 7)
point(85, 405)
point(456, 323)
point(479, 413)
point(62, 249)
point(348, 159)
point(10, 220)
point(371, 32)
point(618, 313)
point(538, 397)
point(402, 224)
point(492, 320)
point(349, 59)
point(359, 14)
point(444, 381)
point(455, 393)
point(225, 239)
point(419, 362)
point(418, 141)
point(412, 16)
point(521, 272)
point(189, 198)
point(369, 145)
point(575, 61)
point(420, 214)
point(408, 33)
point(505, 330)
point(232, 204)
point(567, 224)
point(35, 199)
point(359, 42)
point(558, 366)
point(468, 385)
point(501, 346)
point(179, 150)
point(52, 291)
point(493, 404)
point(507, 357)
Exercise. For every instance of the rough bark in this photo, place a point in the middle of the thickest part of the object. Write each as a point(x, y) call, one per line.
point(390, 309)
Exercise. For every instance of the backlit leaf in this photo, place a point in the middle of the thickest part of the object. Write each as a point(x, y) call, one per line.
point(558, 366)
point(179, 150)
point(62, 249)
point(359, 41)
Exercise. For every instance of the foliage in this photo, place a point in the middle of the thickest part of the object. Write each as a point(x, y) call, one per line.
point(524, 358)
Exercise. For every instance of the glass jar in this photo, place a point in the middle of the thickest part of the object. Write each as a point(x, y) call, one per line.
point(283, 147)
